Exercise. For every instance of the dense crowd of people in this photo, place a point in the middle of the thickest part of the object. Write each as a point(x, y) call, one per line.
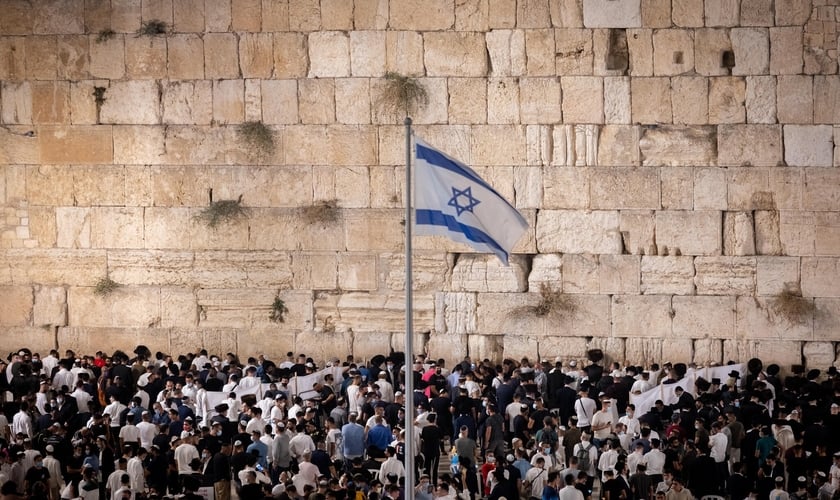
point(199, 425)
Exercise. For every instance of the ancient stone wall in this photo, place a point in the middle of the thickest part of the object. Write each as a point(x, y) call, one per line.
point(677, 161)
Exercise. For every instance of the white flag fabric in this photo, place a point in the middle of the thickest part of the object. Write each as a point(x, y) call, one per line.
point(452, 200)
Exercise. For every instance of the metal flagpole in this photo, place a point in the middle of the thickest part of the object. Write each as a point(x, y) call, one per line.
point(409, 324)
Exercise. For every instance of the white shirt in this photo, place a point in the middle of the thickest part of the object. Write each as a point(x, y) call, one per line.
point(717, 446)
point(184, 454)
point(536, 477)
point(82, 400)
point(136, 473)
point(148, 431)
point(607, 462)
point(390, 466)
point(655, 460)
point(585, 409)
point(632, 424)
point(386, 390)
point(22, 422)
point(569, 493)
point(130, 434)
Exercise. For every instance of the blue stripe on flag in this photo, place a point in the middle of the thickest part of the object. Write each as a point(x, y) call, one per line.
point(438, 159)
point(438, 218)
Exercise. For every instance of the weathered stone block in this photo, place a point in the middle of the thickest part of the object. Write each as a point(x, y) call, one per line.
point(485, 273)
point(677, 189)
point(577, 232)
point(727, 98)
point(145, 57)
point(435, 15)
point(652, 102)
point(50, 306)
point(367, 53)
point(506, 50)
point(16, 103)
point(710, 44)
point(178, 308)
point(637, 228)
point(818, 354)
point(187, 103)
point(767, 236)
point(166, 227)
point(786, 50)
point(819, 277)
point(617, 100)
point(540, 53)
point(692, 233)
point(329, 54)
point(186, 57)
point(797, 232)
point(107, 59)
point(619, 274)
point(667, 275)
point(291, 57)
point(583, 99)
point(370, 14)
point(725, 275)
point(752, 51)
point(454, 54)
point(455, 313)
point(545, 269)
point(827, 319)
point(757, 319)
point(820, 191)
point(641, 316)
point(72, 227)
point(114, 227)
point(612, 13)
point(566, 187)
point(774, 274)
point(792, 12)
point(503, 101)
point(316, 99)
point(188, 16)
point(539, 100)
point(533, 14)
point(72, 56)
point(142, 145)
point(41, 63)
point(656, 13)
point(618, 145)
point(692, 97)
point(757, 13)
point(756, 145)
point(678, 146)
point(580, 273)
point(673, 52)
point(404, 52)
point(221, 55)
point(738, 233)
point(710, 189)
point(722, 12)
point(795, 102)
point(76, 145)
point(134, 102)
point(49, 185)
point(125, 307)
point(99, 185)
point(228, 101)
point(702, 317)
point(761, 99)
point(280, 101)
point(357, 271)
point(808, 145)
point(640, 45)
point(352, 100)
point(826, 95)
point(486, 149)
point(622, 187)
point(256, 55)
point(50, 102)
point(17, 305)
point(574, 52)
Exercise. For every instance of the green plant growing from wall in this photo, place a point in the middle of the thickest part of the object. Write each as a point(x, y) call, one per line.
point(791, 306)
point(325, 212)
point(257, 137)
point(153, 27)
point(552, 302)
point(278, 310)
point(222, 212)
point(105, 35)
point(105, 286)
point(402, 95)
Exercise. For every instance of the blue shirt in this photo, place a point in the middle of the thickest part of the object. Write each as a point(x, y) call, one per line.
point(379, 436)
point(353, 440)
point(262, 450)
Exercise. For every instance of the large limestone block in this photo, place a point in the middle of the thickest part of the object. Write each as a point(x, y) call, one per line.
point(725, 275)
point(656, 13)
point(404, 53)
point(42, 226)
point(578, 145)
point(184, 103)
point(819, 277)
point(76, 145)
point(757, 13)
point(618, 145)
point(795, 101)
point(315, 270)
point(329, 54)
point(280, 102)
point(786, 50)
point(124, 307)
point(178, 186)
point(357, 271)
point(617, 107)
point(16, 102)
point(566, 13)
point(188, 16)
point(380, 230)
point(285, 230)
point(49, 185)
point(456, 312)
point(365, 312)
point(620, 274)
point(503, 101)
point(455, 54)
point(691, 233)
point(637, 231)
point(808, 145)
point(710, 317)
point(485, 273)
point(17, 148)
point(624, 188)
point(738, 233)
point(727, 99)
point(145, 57)
point(221, 55)
point(186, 56)
point(291, 56)
point(316, 101)
point(496, 145)
point(640, 45)
point(533, 14)
point(820, 189)
point(434, 15)
point(452, 347)
point(41, 62)
point(546, 268)
point(757, 319)
point(678, 146)
point(754, 145)
point(826, 97)
point(642, 316)
point(580, 273)
point(792, 12)
point(677, 190)
point(773, 274)
point(116, 227)
point(691, 95)
point(678, 351)
point(367, 51)
point(430, 270)
point(370, 14)
point(72, 227)
point(673, 52)
point(709, 46)
point(722, 12)
point(540, 52)
point(228, 101)
point(708, 352)
point(256, 55)
point(135, 102)
point(612, 13)
point(667, 275)
point(521, 346)
point(348, 145)
point(109, 338)
point(352, 101)
point(107, 59)
point(826, 319)
point(614, 350)
point(652, 102)
point(53, 266)
point(178, 308)
point(486, 347)
point(50, 102)
point(578, 232)
point(304, 15)
point(797, 232)
point(710, 189)
point(761, 99)
point(752, 51)
point(580, 315)
point(166, 227)
point(583, 99)
point(370, 344)
point(566, 188)
point(218, 308)
point(575, 54)
point(18, 303)
point(818, 355)
point(642, 352)
point(539, 100)
point(99, 185)
point(506, 50)
point(564, 348)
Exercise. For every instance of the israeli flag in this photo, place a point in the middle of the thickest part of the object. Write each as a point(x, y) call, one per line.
point(451, 200)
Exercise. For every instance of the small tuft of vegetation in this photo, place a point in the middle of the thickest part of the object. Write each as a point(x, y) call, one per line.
point(105, 286)
point(791, 306)
point(326, 212)
point(552, 302)
point(99, 95)
point(402, 95)
point(258, 137)
point(278, 310)
point(105, 35)
point(223, 211)
point(153, 27)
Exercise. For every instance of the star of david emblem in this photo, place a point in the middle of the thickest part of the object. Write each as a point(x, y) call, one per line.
point(463, 200)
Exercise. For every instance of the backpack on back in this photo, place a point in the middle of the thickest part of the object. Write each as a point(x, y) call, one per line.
point(582, 455)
